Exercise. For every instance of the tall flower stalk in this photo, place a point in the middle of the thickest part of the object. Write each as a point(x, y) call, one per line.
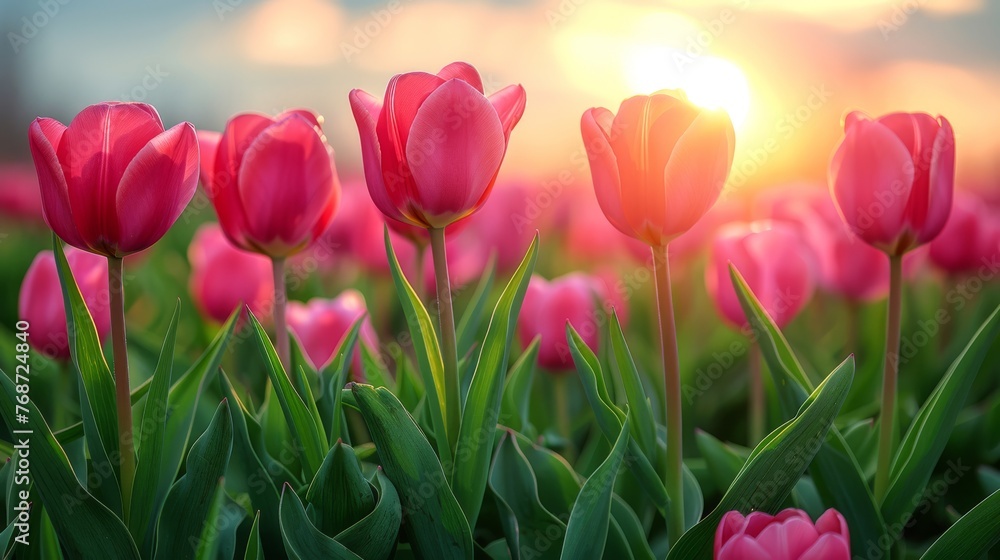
point(449, 338)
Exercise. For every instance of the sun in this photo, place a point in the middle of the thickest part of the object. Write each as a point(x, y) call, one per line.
point(708, 81)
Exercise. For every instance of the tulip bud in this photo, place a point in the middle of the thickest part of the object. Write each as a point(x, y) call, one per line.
point(224, 277)
point(322, 324)
point(789, 535)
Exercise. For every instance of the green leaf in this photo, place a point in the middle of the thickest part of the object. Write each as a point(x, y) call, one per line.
point(482, 410)
point(468, 325)
point(218, 533)
point(335, 377)
point(374, 536)
point(972, 536)
point(531, 530)
point(587, 530)
point(435, 524)
point(339, 495)
point(302, 373)
point(254, 549)
point(84, 524)
point(724, 461)
point(643, 425)
point(836, 472)
point(300, 420)
point(775, 465)
point(429, 361)
point(303, 541)
point(517, 389)
point(610, 418)
point(185, 512)
point(376, 372)
point(98, 408)
point(928, 434)
point(150, 450)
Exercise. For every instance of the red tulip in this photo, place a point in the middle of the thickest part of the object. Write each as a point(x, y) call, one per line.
point(432, 148)
point(322, 324)
point(658, 165)
point(113, 181)
point(776, 264)
point(224, 277)
point(41, 299)
point(272, 182)
point(970, 239)
point(548, 305)
point(19, 197)
point(892, 178)
point(789, 535)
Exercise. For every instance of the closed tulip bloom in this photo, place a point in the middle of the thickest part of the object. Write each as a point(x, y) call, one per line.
point(970, 239)
point(41, 299)
point(775, 262)
point(322, 324)
point(658, 165)
point(432, 147)
point(224, 277)
point(548, 305)
point(113, 181)
point(892, 178)
point(272, 182)
point(789, 535)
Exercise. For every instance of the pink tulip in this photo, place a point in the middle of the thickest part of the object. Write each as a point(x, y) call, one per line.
point(19, 198)
point(41, 299)
point(789, 535)
point(113, 181)
point(658, 165)
point(432, 147)
point(272, 182)
point(322, 324)
point(548, 305)
point(892, 178)
point(224, 277)
point(776, 264)
point(506, 225)
point(467, 262)
point(590, 238)
point(970, 239)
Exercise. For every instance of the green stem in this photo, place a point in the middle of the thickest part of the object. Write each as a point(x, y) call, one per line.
point(449, 341)
point(672, 379)
point(123, 402)
point(280, 324)
point(889, 376)
point(757, 404)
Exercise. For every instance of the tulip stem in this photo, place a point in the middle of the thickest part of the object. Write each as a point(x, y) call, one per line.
point(889, 376)
point(280, 324)
point(757, 405)
point(123, 398)
point(449, 341)
point(672, 380)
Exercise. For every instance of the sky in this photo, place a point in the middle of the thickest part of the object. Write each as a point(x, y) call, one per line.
point(786, 70)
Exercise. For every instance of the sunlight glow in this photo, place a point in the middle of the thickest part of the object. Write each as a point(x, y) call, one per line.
point(708, 81)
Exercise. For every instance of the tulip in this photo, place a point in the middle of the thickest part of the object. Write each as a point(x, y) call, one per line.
point(892, 179)
point(549, 305)
point(274, 187)
point(41, 299)
point(779, 269)
point(322, 324)
point(506, 225)
point(658, 166)
point(19, 198)
point(789, 535)
point(112, 183)
point(970, 239)
point(432, 149)
point(224, 277)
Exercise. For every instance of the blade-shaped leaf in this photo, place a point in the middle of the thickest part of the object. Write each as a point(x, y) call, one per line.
point(339, 495)
point(254, 550)
point(303, 541)
point(643, 425)
point(517, 389)
point(375, 535)
point(482, 410)
point(334, 377)
point(775, 465)
point(435, 524)
point(972, 536)
point(468, 324)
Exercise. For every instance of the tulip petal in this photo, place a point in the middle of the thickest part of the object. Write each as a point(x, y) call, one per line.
point(595, 127)
point(286, 184)
point(454, 154)
point(96, 148)
point(871, 176)
point(208, 145)
point(239, 135)
point(156, 187)
point(828, 547)
point(463, 71)
point(742, 548)
point(787, 539)
point(366, 109)
point(44, 137)
point(697, 170)
point(833, 522)
point(509, 104)
point(941, 181)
